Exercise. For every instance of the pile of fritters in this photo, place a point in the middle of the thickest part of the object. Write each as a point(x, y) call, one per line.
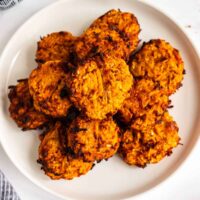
point(93, 96)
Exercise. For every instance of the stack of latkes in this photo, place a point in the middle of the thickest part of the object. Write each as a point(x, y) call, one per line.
point(93, 96)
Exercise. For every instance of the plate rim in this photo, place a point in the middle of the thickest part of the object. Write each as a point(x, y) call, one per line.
point(190, 151)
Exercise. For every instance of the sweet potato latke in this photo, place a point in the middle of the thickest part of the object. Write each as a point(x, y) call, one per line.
point(21, 107)
point(93, 96)
point(47, 86)
point(99, 86)
point(115, 33)
point(144, 98)
point(56, 161)
point(124, 23)
point(93, 139)
point(162, 63)
point(147, 142)
point(55, 46)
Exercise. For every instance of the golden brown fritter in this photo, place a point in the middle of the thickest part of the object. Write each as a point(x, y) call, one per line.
point(115, 33)
point(21, 107)
point(99, 86)
point(55, 46)
point(96, 41)
point(48, 88)
point(56, 161)
point(159, 61)
point(145, 98)
point(93, 139)
point(124, 23)
point(149, 142)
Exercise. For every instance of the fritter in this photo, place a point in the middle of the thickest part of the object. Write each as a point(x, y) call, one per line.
point(124, 23)
point(21, 107)
point(96, 41)
point(145, 98)
point(55, 46)
point(48, 88)
point(93, 139)
point(162, 63)
point(99, 86)
point(56, 161)
point(148, 142)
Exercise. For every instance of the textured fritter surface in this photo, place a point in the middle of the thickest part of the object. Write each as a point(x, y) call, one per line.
point(161, 62)
point(100, 86)
point(96, 41)
point(55, 46)
point(145, 98)
point(56, 162)
point(148, 141)
point(21, 107)
point(47, 86)
point(93, 139)
point(115, 33)
point(124, 23)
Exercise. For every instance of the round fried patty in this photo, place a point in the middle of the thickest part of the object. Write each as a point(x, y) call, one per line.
point(148, 141)
point(145, 98)
point(162, 63)
point(21, 107)
point(56, 161)
point(124, 23)
point(93, 139)
point(99, 86)
point(55, 46)
point(96, 41)
point(47, 85)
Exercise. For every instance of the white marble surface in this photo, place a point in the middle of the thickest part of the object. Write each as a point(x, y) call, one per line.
point(185, 184)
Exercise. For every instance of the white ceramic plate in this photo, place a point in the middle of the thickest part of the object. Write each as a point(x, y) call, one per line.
point(113, 179)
